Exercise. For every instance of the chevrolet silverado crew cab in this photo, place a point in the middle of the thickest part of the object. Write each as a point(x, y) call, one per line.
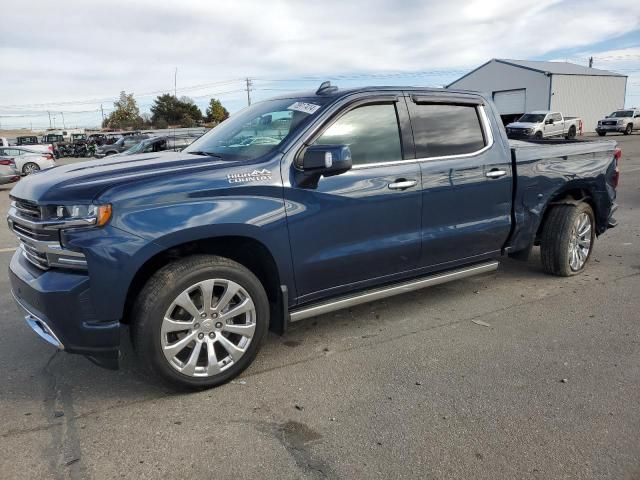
point(348, 196)
point(543, 124)
point(625, 121)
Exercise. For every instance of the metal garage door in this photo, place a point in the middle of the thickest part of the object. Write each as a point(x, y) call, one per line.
point(510, 101)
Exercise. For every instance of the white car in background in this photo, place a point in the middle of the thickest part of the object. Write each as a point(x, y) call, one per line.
point(28, 161)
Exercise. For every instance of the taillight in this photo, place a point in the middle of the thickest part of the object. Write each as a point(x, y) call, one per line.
point(615, 178)
point(50, 148)
point(48, 156)
point(8, 162)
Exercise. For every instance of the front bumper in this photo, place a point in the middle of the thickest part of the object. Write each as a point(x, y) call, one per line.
point(59, 310)
point(513, 134)
point(610, 128)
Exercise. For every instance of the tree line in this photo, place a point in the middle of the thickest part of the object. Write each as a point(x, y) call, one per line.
point(167, 110)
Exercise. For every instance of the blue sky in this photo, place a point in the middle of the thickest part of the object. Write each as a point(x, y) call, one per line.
point(288, 46)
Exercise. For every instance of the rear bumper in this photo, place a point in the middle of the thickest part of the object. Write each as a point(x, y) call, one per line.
point(59, 311)
point(4, 179)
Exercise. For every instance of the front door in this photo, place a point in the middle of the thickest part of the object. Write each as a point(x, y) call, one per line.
point(363, 226)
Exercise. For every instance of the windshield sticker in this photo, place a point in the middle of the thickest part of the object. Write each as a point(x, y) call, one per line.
point(304, 107)
point(255, 176)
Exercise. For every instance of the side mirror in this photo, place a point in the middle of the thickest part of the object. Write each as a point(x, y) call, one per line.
point(323, 161)
point(327, 160)
point(549, 121)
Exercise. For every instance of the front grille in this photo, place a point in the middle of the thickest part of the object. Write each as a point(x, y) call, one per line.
point(609, 123)
point(40, 245)
point(27, 210)
point(34, 256)
point(24, 231)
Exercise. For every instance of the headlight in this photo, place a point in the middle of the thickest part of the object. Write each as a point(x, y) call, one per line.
point(73, 216)
point(620, 122)
point(529, 131)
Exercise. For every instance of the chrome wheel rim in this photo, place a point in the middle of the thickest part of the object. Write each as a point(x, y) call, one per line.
point(580, 242)
point(208, 327)
point(30, 168)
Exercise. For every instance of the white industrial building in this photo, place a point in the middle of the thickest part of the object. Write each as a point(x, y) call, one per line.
point(519, 86)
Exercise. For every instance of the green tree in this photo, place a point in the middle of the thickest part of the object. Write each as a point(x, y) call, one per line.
point(126, 113)
point(216, 113)
point(175, 111)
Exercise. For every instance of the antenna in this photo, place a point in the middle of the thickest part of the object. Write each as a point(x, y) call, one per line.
point(326, 87)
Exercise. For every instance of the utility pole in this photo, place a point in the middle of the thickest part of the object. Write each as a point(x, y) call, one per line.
point(63, 125)
point(49, 113)
point(102, 111)
point(590, 62)
point(248, 91)
point(175, 83)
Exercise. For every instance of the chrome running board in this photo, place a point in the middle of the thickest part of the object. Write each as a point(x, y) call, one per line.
point(391, 290)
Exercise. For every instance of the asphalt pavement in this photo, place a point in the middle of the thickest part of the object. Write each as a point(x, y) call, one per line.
point(515, 374)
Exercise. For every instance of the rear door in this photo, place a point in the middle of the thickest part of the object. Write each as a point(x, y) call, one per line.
point(466, 179)
point(361, 227)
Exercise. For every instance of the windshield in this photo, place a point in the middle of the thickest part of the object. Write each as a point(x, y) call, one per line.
point(137, 148)
point(259, 129)
point(532, 118)
point(621, 114)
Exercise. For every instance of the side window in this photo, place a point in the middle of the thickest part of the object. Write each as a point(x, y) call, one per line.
point(370, 131)
point(443, 130)
point(556, 117)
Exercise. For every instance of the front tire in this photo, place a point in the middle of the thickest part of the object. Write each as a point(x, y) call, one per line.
point(602, 134)
point(199, 321)
point(538, 136)
point(628, 130)
point(567, 239)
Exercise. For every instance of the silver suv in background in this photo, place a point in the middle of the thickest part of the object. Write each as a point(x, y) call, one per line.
point(625, 121)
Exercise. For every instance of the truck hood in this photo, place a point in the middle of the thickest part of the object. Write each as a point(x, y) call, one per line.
point(84, 181)
point(522, 125)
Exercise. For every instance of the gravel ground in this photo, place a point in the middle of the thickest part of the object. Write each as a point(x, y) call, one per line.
point(546, 385)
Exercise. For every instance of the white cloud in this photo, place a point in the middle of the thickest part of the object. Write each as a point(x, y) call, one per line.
point(82, 49)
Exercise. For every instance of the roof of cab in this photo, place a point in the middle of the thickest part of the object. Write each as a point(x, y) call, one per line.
point(342, 92)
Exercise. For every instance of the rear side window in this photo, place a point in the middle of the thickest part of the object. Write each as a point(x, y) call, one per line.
point(443, 130)
point(370, 131)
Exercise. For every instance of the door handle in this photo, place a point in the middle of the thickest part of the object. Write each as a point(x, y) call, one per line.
point(495, 173)
point(402, 184)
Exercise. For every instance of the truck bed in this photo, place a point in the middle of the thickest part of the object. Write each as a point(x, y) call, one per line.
point(545, 167)
point(527, 150)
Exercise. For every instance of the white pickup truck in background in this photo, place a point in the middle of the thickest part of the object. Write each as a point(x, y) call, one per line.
point(544, 124)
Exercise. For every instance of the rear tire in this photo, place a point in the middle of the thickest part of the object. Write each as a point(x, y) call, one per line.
point(30, 167)
point(572, 133)
point(201, 349)
point(567, 239)
point(628, 130)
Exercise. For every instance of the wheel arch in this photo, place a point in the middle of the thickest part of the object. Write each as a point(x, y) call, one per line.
point(246, 250)
point(571, 195)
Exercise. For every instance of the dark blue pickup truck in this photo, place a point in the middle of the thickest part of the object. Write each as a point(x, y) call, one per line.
point(294, 207)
